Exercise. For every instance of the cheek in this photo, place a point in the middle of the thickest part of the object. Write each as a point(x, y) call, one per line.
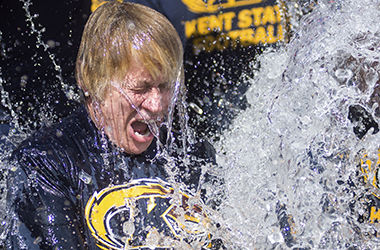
point(167, 98)
point(118, 110)
point(135, 99)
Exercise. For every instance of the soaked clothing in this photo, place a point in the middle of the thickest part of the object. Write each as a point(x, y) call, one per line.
point(221, 40)
point(73, 190)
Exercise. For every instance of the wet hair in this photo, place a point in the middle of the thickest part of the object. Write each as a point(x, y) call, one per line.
point(118, 34)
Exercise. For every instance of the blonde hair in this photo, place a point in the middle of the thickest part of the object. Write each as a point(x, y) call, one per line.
point(117, 34)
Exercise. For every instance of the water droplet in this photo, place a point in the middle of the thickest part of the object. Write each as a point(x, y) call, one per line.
point(59, 133)
point(86, 178)
point(371, 77)
point(196, 108)
point(51, 43)
point(131, 25)
point(275, 238)
point(37, 240)
point(343, 74)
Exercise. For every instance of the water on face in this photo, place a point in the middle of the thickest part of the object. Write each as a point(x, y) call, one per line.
point(45, 116)
point(295, 145)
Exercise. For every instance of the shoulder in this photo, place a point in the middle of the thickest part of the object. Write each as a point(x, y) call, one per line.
point(52, 152)
point(61, 134)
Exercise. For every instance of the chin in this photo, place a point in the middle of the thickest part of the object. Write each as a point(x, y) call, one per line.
point(136, 149)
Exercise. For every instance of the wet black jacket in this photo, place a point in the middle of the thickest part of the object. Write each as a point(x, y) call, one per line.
point(73, 190)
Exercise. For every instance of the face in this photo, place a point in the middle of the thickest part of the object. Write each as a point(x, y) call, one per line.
point(128, 107)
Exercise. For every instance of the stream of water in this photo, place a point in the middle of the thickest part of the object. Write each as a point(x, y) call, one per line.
point(293, 155)
point(295, 145)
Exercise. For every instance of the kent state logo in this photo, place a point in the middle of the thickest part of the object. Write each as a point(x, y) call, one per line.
point(212, 6)
point(126, 216)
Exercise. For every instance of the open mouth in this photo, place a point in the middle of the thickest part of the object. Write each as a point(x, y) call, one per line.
point(140, 128)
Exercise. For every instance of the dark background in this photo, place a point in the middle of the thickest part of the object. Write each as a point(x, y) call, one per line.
point(28, 73)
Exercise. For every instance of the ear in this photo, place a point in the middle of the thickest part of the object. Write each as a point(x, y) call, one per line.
point(83, 93)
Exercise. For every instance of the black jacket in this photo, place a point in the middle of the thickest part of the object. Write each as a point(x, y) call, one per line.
point(74, 190)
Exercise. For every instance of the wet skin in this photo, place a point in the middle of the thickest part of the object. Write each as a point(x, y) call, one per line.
point(128, 107)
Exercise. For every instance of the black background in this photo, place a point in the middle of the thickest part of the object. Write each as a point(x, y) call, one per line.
point(28, 73)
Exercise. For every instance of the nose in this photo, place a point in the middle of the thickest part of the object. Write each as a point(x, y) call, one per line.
point(154, 101)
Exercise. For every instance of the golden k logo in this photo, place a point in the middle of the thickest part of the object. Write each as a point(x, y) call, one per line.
point(123, 216)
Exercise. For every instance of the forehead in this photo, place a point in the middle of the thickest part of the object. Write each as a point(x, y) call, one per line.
point(137, 74)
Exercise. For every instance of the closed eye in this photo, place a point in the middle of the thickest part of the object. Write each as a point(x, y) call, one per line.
point(140, 90)
point(164, 86)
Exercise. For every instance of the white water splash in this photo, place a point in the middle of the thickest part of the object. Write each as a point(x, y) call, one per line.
point(295, 144)
point(299, 102)
point(30, 20)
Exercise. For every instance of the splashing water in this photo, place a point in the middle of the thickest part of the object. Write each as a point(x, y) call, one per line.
point(67, 89)
point(16, 123)
point(47, 119)
point(295, 145)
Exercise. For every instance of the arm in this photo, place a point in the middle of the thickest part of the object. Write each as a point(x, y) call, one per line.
point(44, 215)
